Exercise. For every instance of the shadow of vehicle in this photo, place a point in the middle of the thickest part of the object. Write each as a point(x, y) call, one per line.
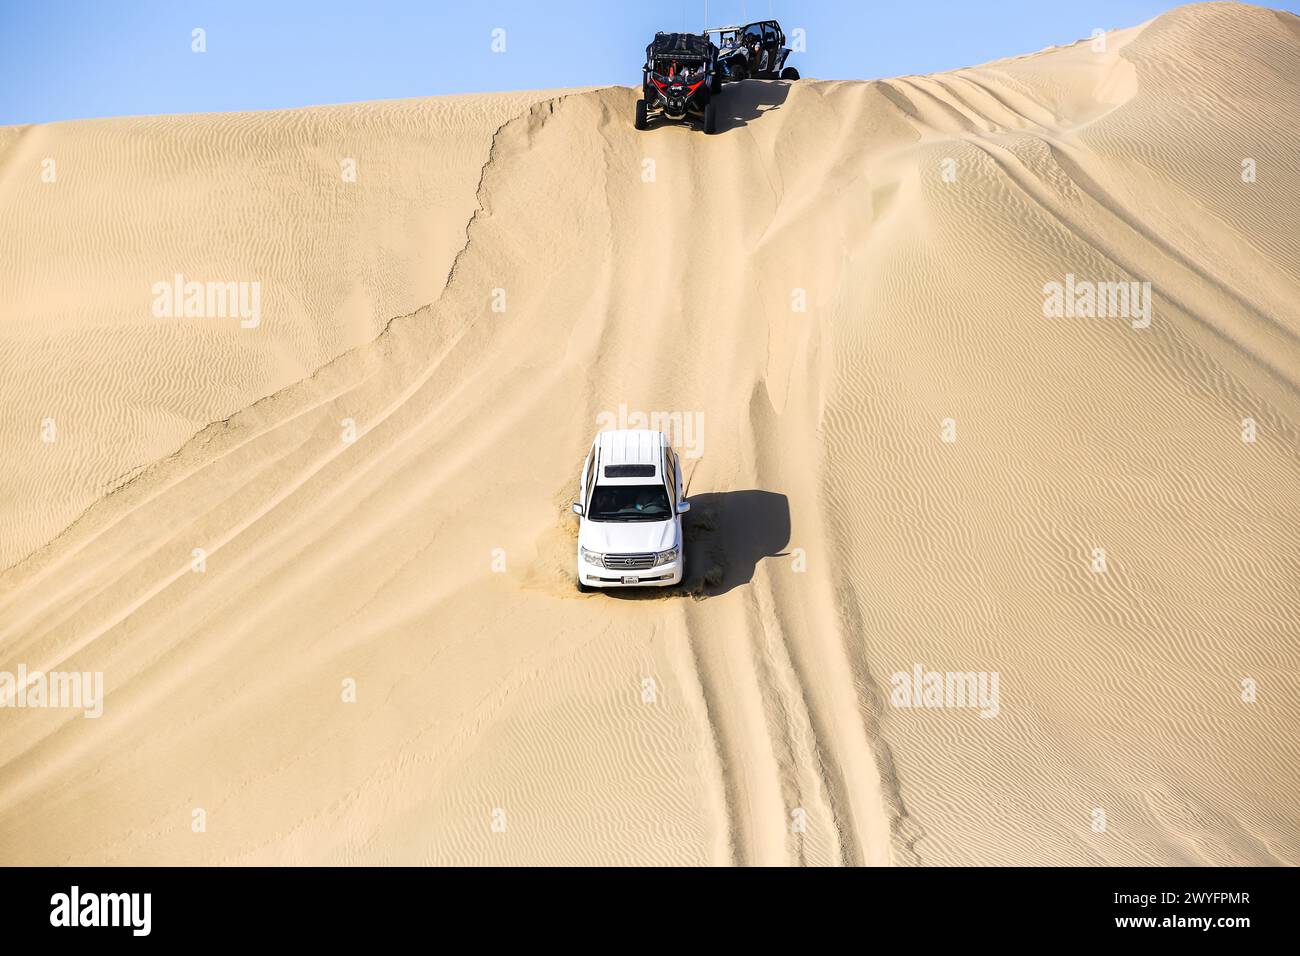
point(741, 103)
point(727, 533)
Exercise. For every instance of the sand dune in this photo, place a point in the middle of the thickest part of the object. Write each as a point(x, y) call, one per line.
point(377, 475)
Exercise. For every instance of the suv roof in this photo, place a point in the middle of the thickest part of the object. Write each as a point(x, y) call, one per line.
point(631, 446)
point(635, 455)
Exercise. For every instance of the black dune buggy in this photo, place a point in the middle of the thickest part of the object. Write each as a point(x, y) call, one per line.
point(678, 80)
point(756, 50)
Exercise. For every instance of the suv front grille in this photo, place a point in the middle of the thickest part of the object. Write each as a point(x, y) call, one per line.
point(629, 562)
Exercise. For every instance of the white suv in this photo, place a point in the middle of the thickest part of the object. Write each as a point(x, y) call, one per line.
point(630, 504)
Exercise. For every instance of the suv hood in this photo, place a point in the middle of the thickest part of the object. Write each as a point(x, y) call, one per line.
point(628, 537)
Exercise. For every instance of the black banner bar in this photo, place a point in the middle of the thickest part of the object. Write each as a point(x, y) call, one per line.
point(1224, 907)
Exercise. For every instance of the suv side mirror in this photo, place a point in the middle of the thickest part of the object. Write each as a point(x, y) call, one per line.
point(683, 506)
point(577, 508)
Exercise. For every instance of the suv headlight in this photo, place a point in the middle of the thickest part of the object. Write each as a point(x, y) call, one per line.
point(664, 557)
point(592, 557)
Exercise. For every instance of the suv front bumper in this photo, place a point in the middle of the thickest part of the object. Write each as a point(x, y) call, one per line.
point(661, 575)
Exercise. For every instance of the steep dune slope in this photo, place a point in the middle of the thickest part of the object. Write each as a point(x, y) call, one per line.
point(844, 277)
point(343, 215)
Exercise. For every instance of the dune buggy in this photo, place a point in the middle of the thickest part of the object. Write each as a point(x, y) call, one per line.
point(678, 80)
point(755, 50)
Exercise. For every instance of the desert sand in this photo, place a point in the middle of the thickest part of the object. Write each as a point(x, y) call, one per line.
point(903, 464)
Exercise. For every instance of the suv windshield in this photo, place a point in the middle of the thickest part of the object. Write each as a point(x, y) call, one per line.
point(629, 503)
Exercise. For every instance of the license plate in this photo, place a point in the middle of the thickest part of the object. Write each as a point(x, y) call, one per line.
point(631, 579)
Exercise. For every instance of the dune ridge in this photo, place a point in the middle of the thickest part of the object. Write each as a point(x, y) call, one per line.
point(424, 552)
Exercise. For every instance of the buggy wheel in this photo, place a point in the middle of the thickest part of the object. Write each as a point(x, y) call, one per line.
point(711, 119)
point(789, 73)
point(641, 122)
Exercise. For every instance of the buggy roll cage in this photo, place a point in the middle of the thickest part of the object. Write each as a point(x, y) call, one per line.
point(738, 29)
point(668, 53)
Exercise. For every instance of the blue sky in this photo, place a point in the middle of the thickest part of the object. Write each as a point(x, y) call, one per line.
point(65, 59)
